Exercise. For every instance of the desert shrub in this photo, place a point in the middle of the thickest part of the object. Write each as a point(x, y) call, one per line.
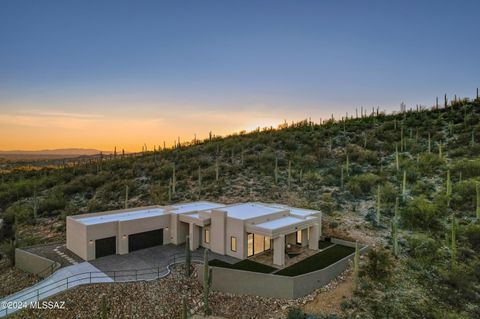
point(361, 185)
point(8, 248)
point(388, 193)
point(468, 168)
point(420, 213)
point(464, 195)
point(311, 176)
point(23, 212)
point(379, 265)
point(423, 248)
point(472, 235)
point(429, 164)
point(53, 202)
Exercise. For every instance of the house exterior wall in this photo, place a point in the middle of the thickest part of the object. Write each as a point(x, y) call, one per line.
point(81, 238)
point(99, 231)
point(203, 242)
point(178, 230)
point(128, 227)
point(218, 226)
point(77, 238)
point(236, 228)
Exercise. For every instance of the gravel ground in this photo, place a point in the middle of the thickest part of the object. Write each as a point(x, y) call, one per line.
point(13, 279)
point(158, 299)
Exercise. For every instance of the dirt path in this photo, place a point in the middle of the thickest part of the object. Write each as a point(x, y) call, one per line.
point(329, 302)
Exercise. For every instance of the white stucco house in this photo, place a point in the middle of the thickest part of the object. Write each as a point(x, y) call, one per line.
point(238, 230)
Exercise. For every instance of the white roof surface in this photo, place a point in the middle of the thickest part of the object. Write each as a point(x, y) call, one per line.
point(280, 222)
point(250, 210)
point(136, 214)
point(302, 212)
point(194, 207)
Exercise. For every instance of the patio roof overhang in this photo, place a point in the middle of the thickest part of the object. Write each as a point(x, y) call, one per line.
point(196, 219)
point(282, 226)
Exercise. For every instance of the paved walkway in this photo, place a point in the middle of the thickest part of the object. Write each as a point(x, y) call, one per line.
point(61, 280)
point(152, 258)
point(145, 264)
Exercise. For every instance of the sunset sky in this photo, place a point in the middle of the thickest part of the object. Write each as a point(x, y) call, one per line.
point(99, 74)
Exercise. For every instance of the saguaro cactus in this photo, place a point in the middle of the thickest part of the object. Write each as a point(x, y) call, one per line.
point(401, 138)
point(289, 173)
point(341, 176)
point(126, 196)
point(356, 267)
point(188, 257)
point(184, 309)
point(275, 172)
point(448, 187)
point(404, 184)
point(397, 158)
point(429, 143)
point(377, 217)
point(174, 179)
point(478, 201)
point(216, 169)
point(35, 204)
point(169, 189)
point(207, 282)
point(397, 202)
point(199, 178)
point(395, 236)
point(104, 308)
point(347, 165)
point(453, 243)
point(440, 155)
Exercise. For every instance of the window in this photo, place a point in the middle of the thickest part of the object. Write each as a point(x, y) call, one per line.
point(267, 243)
point(250, 245)
point(299, 236)
point(233, 243)
point(257, 244)
point(207, 235)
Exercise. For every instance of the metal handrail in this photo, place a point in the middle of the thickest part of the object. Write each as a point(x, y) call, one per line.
point(117, 274)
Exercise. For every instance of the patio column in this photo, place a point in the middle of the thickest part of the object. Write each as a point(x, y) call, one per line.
point(304, 237)
point(194, 235)
point(279, 250)
point(314, 237)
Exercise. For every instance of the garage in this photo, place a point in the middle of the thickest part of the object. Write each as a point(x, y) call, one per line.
point(145, 240)
point(105, 246)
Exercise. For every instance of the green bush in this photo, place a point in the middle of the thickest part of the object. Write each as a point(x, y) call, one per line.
point(420, 213)
point(362, 185)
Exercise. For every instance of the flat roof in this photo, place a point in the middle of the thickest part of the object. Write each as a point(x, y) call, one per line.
point(250, 210)
point(280, 222)
point(194, 207)
point(122, 216)
point(303, 212)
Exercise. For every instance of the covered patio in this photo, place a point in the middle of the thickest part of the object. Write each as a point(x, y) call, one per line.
point(284, 241)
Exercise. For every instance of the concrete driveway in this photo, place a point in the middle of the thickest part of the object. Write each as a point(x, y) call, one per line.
point(154, 257)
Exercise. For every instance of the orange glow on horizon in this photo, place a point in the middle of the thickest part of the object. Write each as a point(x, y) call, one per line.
point(51, 130)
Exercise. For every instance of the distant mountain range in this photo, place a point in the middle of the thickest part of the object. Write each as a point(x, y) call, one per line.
point(50, 154)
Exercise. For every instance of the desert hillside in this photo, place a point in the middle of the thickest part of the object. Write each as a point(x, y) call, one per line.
point(413, 175)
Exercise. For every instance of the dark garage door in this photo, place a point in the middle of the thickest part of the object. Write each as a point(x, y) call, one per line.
point(105, 246)
point(145, 239)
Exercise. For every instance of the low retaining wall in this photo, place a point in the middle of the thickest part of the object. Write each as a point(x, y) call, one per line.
point(270, 285)
point(34, 264)
point(249, 283)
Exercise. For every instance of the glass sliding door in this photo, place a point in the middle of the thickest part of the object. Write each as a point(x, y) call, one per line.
point(257, 244)
point(250, 245)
